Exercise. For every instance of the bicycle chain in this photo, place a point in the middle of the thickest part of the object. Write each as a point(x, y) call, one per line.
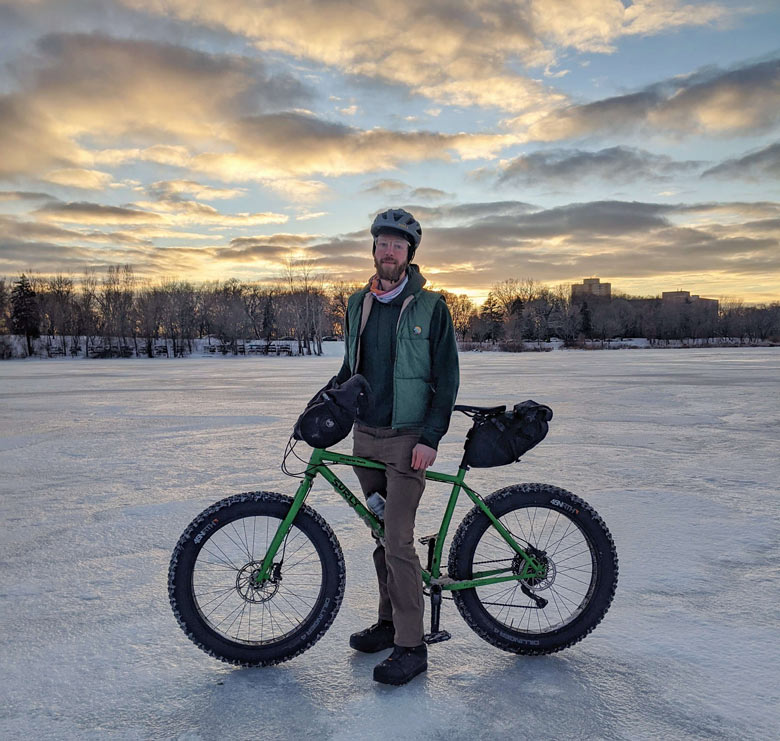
point(497, 604)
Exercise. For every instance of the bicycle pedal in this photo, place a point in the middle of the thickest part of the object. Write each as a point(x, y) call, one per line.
point(427, 539)
point(437, 637)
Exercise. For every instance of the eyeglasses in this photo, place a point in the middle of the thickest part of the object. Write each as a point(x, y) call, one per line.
point(390, 243)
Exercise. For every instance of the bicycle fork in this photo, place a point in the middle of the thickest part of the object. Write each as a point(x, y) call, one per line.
point(269, 567)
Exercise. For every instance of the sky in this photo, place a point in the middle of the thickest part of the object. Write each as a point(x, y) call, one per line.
point(545, 139)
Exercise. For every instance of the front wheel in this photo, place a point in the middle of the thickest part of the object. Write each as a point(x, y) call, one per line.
point(581, 569)
point(220, 605)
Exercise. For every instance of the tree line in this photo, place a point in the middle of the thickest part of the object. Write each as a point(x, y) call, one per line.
point(119, 315)
point(520, 311)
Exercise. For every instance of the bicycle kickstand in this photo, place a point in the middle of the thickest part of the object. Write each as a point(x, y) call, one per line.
point(436, 635)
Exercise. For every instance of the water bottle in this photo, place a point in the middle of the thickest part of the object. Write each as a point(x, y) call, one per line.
point(376, 503)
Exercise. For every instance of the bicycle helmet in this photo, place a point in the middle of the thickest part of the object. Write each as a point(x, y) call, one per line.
point(401, 222)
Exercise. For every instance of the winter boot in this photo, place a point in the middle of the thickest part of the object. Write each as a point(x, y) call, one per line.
point(402, 665)
point(376, 638)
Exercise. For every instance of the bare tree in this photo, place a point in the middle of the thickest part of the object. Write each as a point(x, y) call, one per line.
point(338, 296)
point(61, 309)
point(462, 309)
point(87, 310)
point(307, 296)
point(150, 310)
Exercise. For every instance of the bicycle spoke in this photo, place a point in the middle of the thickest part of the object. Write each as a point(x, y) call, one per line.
point(570, 570)
point(231, 605)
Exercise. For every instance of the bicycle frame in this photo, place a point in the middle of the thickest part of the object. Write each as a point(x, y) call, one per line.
point(317, 465)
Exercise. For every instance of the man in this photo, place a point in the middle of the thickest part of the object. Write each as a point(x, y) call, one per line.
point(401, 338)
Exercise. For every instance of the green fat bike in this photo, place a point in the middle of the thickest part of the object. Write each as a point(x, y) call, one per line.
point(258, 578)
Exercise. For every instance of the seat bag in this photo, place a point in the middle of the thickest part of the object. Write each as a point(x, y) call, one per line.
point(500, 439)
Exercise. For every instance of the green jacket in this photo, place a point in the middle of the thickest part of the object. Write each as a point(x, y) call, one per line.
point(406, 350)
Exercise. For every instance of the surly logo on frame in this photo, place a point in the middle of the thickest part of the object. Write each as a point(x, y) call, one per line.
point(564, 505)
point(346, 493)
point(206, 530)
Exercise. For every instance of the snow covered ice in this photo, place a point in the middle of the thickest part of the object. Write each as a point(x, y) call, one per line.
point(104, 463)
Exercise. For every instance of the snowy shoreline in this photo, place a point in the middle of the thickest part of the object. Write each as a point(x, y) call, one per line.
point(42, 348)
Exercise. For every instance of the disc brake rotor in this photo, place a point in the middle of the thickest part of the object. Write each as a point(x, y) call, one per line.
point(249, 589)
point(536, 583)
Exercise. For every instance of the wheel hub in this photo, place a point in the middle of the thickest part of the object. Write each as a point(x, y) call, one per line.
point(250, 589)
point(537, 583)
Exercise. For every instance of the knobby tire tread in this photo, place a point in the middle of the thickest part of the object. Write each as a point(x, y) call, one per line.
point(256, 497)
point(458, 553)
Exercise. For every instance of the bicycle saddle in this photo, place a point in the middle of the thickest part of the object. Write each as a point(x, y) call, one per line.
point(468, 409)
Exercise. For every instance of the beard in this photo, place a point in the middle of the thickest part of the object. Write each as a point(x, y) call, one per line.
point(390, 271)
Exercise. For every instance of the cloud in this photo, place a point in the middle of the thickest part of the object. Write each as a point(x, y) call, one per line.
point(159, 100)
point(430, 194)
point(594, 25)
point(763, 164)
point(23, 195)
point(456, 54)
point(172, 190)
point(466, 213)
point(181, 211)
point(34, 231)
point(83, 212)
point(614, 164)
point(288, 240)
point(616, 239)
point(470, 246)
point(176, 212)
point(275, 247)
point(297, 189)
point(19, 255)
point(732, 210)
point(744, 100)
point(391, 188)
point(308, 216)
point(221, 116)
point(79, 178)
point(31, 142)
point(291, 143)
point(160, 154)
point(385, 187)
point(146, 89)
point(278, 150)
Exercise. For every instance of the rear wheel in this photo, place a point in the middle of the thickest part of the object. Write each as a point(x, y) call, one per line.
point(219, 603)
point(569, 538)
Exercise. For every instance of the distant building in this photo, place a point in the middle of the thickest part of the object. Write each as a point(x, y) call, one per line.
point(685, 297)
point(591, 288)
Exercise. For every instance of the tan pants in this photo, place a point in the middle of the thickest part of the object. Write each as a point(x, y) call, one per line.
point(397, 564)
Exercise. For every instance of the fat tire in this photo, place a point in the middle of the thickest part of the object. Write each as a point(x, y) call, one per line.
point(267, 504)
point(591, 526)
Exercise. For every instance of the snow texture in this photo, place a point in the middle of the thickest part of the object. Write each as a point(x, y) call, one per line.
point(104, 463)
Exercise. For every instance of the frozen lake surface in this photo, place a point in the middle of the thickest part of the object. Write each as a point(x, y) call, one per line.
point(104, 463)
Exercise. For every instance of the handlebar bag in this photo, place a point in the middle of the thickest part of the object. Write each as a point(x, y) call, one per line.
point(329, 416)
point(497, 440)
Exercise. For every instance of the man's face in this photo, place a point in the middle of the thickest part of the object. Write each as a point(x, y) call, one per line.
point(391, 257)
